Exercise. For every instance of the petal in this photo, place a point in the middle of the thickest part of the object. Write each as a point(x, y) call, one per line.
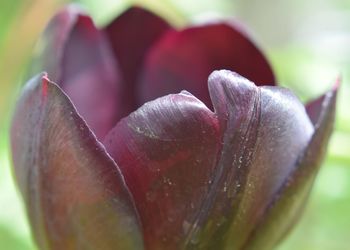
point(74, 192)
point(49, 50)
point(165, 151)
point(79, 58)
point(314, 107)
point(211, 172)
point(183, 60)
point(131, 35)
point(290, 199)
point(271, 132)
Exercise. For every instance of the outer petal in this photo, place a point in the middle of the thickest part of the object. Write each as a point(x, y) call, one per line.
point(79, 58)
point(184, 59)
point(263, 132)
point(131, 35)
point(75, 195)
point(290, 199)
point(165, 150)
point(214, 174)
point(315, 107)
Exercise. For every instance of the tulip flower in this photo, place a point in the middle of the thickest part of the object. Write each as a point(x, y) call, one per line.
point(125, 144)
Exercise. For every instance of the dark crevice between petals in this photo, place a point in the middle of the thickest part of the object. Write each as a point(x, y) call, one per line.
point(75, 195)
point(131, 35)
point(290, 199)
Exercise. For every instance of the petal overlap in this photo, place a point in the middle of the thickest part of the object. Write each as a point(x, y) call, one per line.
point(79, 58)
point(131, 35)
point(76, 197)
point(223, 165)
point(237, 173)
point(257, 125)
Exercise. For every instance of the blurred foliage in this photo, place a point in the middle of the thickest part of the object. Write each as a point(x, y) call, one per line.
point(308, 44)
point(21, 23)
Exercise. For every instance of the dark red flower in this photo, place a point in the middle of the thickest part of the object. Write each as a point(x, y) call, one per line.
point(228, 165)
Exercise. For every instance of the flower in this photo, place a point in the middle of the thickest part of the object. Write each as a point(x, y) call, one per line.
point(226, 167)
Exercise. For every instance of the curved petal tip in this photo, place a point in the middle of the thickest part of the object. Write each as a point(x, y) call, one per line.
point(70, 184)
point(314, 108)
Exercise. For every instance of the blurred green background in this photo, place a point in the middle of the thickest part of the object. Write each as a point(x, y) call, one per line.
point(308, 43)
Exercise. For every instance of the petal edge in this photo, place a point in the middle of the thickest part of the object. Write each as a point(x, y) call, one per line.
point(68, 182)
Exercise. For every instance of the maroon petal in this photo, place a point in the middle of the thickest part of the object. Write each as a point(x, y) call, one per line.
point(314, 107)
point(165, 150)
point(48, 54)
point(131, 35)
point(267, 128)
point(198, 177)
point(79, 58)
point(74, 192)
point(285, 209)
point(183, 60)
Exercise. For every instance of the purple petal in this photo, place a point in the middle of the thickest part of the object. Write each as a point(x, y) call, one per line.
point(74, 192)
point(314, 108)
point(165, 151)
point(49, 50)
point(267, 128)
point(79, 58)
point(131, 35)
point(200, 178)
point(183, 60)
point(290, 199)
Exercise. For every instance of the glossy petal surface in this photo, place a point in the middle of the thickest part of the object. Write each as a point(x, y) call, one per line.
point(209, 173)
point(75, 195)
point(81, 61)
point(263, 132)
point(183, 60)
point(290, 199)
point(165, 151)
point(131, 35)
